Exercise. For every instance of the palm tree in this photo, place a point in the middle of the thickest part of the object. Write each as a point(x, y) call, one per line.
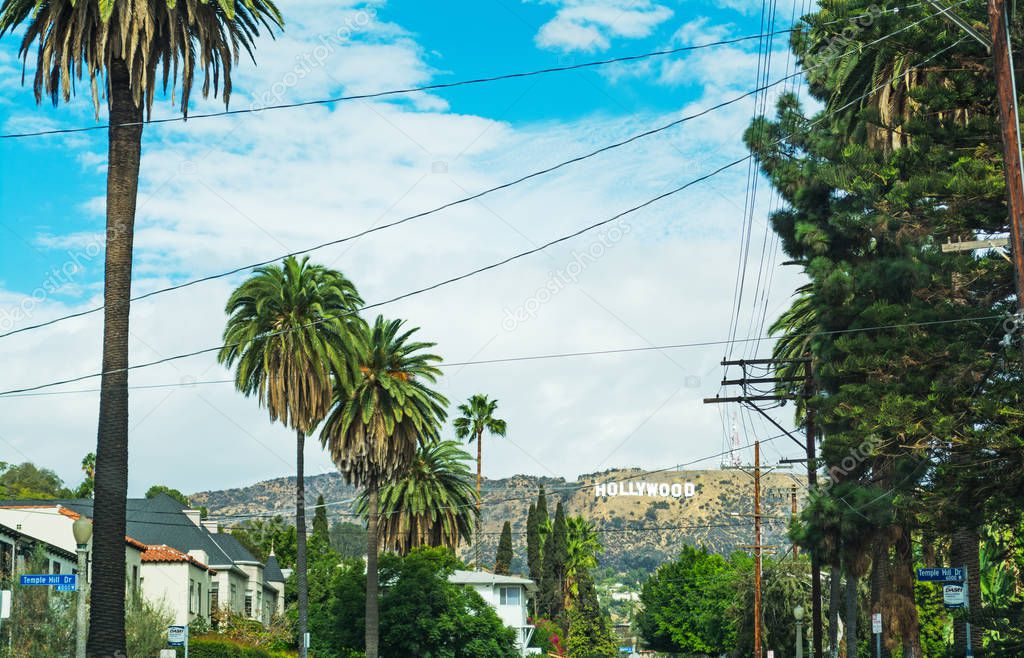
point(430, 505)
point(476, 416)
point(374, 429)
point(122, 46)
point(583, 547)
point(292, 335)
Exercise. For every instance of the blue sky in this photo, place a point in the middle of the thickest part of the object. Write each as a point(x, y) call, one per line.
point(216, 193)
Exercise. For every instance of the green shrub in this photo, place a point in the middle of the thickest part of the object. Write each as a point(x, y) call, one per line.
point(213, 646)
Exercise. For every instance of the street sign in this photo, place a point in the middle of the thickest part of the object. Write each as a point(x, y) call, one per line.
point(65, 588)
point(50, 580)
point(941, 574)
point(5, 604)
point(953, 596)
point(876, 623)
point(177, 636)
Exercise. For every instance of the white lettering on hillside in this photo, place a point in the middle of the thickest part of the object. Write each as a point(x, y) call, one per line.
point(634, 488)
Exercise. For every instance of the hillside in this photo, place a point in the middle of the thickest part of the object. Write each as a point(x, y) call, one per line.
point(638, 531)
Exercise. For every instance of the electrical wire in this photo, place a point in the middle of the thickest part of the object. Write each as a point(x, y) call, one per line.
point(658, 129)
point(430, 87)
point(478, 270)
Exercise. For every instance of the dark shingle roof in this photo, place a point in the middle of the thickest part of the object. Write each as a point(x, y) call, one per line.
point(233, 548)
point(272, 571)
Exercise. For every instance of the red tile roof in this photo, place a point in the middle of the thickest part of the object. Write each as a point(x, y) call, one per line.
point(164, 553)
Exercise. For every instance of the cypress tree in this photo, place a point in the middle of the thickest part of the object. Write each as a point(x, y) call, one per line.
point(543, 520)
point(533, 561)
point(503, 560)
point(321, 528)
point(552, 584)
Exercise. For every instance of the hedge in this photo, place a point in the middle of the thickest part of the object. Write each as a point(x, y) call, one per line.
point(218, 647)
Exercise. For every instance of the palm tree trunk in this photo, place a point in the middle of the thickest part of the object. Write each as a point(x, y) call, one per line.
point(106, 623)
point(835, 593)
point(372, 610)
point(851, 615)
point(965, 549)
point(300, 539)
point(479, 471)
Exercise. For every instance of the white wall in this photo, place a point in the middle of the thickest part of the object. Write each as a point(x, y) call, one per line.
point(173, 583)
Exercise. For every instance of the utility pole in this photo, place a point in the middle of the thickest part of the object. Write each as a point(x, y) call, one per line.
point(757, 549)
point(817, 625)
point(1006, 93)
point(795, 510)
point(808, 445)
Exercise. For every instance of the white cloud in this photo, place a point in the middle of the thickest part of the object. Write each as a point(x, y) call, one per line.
point(589, 25)
point(221, 192)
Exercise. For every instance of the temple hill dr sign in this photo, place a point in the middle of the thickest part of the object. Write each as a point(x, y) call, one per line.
point(648, 489)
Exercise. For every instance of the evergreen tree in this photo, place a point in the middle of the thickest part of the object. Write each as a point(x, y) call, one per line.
point(321, 527)
point(590, 630)
point(551, 599)
point(503, 560)
point(533, 559)
point(543, 520)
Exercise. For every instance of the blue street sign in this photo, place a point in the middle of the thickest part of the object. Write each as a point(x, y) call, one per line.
point(65, 588)
point(51, 580)
point(941, 574)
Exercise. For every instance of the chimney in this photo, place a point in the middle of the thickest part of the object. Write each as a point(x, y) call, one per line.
point(211, 527)
point(199, 555)
point(193, 515)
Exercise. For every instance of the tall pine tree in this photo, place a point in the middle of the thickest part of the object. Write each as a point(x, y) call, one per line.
point(503, 559)
point(551, 598)
point(533, 560)
point(321, 527)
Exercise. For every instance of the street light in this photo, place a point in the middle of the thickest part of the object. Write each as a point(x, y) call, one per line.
point(82, 530)
point(798, 614)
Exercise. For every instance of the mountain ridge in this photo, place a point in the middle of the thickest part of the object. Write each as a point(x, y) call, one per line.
point(639, 517)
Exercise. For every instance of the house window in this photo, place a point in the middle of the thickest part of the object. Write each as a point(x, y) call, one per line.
point(135, 577)
point(509, 595)
point(199, 598)
point(56, 567)
point(191, 595)
point(248, 604)
point(214, 596)
point(233, 599)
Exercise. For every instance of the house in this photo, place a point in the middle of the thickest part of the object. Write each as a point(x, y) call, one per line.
point(48, 525)
point(508, 595)
point(180, 580)
point(178, 558)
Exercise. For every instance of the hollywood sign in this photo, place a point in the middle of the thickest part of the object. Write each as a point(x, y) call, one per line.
point(631, 488)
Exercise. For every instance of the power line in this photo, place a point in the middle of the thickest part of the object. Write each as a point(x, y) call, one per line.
point(456, 202)
point(398, 92)
point(436, 86)
point(486, 268)
point(537, 357)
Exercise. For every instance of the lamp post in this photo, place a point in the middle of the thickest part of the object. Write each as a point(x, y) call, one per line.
point(798, 614)
point(82, 529)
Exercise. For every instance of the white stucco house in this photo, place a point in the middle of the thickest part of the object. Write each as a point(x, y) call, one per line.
point(22, 528)
point(508, 595)
point(180, 580)
point(171, 556)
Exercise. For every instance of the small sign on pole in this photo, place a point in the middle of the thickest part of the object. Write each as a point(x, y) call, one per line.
point(953, 596)
point(876, 623)
point(58, 580)
point(176, 636)
point(941, 574)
